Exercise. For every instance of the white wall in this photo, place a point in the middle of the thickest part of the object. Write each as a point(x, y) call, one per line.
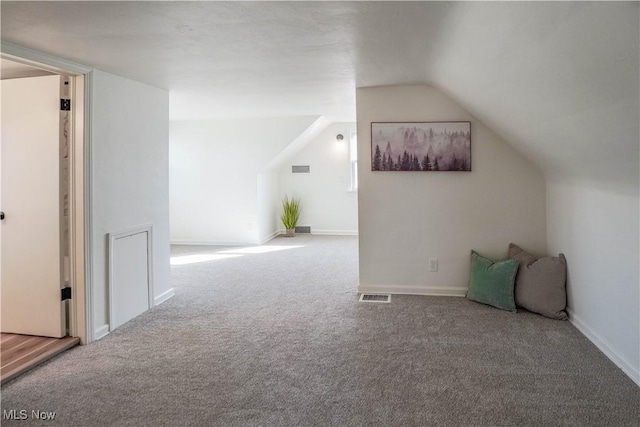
point(130, 141)
point(327, 206)
point(406, 218)
point(268, 205)
point(214, 167)
point(598, 233)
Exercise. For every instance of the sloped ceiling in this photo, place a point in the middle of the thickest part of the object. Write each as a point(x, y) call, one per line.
point(559, 80)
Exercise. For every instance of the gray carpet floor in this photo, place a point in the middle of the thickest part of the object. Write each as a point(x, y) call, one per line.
point(280, 339)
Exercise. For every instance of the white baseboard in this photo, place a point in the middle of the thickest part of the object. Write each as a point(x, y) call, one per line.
point(163, 297)
point(327, 232)
point(270, 237)
point(413, 290)
point(262, 242)
point(335, 232)
point(210, 243)
point(605, 347)
point(101, 332)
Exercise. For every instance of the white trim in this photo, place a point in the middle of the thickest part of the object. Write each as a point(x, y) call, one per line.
point(270, 237)
point(38, 59)
point(82, 312)
point(605, 347)
point(77, 194)
point(210, 243)
point(101, 332)
point(148, 228)
point(163, 297)
point(335, 232)
point(88, 205)
point(413, 290)
point(326, 232)
point(353, 161)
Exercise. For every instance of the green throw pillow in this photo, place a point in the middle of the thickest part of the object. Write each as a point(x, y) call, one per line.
point(492, 283)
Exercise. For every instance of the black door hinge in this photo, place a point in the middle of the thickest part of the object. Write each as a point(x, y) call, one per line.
point(65, 105)
point(66, 293)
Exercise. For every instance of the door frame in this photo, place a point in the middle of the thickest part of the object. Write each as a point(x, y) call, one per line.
point(80, 272)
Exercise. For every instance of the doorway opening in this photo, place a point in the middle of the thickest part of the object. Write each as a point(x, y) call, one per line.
point(42, 233)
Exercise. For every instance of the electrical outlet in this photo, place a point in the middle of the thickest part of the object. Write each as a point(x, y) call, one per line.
point(433, 264)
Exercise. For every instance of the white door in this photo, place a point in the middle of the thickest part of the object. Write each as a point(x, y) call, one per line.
point(30, 239)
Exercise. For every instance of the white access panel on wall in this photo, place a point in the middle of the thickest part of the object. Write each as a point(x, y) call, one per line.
point(130, 275)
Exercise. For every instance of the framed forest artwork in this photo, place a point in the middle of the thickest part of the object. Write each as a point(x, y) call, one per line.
point(421, 146)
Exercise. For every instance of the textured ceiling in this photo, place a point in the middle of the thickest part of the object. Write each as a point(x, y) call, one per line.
point(560, 81)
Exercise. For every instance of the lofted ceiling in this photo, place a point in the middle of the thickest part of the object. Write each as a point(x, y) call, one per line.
point(559, 80)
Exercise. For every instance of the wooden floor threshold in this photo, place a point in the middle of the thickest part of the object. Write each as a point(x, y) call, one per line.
point(20, 353)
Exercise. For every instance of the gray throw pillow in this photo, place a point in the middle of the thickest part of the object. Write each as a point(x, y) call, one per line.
point(541, 283)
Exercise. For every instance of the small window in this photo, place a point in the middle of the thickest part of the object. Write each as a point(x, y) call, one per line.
point(353, 157)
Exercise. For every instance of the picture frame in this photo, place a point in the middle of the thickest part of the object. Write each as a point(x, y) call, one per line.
point(421, 146)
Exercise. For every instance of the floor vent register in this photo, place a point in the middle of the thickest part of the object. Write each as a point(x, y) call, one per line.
point(375, 298)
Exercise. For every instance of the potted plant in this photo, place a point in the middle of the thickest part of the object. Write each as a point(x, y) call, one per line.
point(290, 215)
